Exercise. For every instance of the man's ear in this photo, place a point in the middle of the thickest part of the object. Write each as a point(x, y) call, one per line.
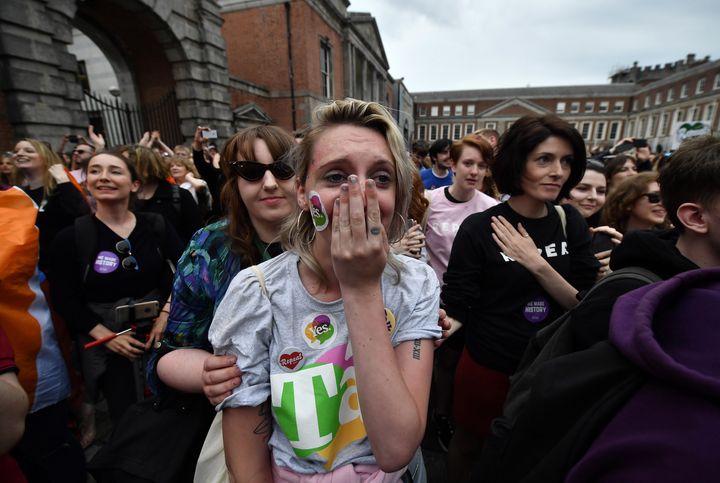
point(692, 216)
point(300, 195)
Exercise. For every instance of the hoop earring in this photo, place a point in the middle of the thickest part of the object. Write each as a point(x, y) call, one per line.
point(404, 226)
point(299, 229)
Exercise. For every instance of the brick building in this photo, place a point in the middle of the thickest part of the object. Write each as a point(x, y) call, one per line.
point(646, 102)
point(287, 57)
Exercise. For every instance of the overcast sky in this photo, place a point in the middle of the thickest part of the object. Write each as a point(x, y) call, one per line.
point(478, 44)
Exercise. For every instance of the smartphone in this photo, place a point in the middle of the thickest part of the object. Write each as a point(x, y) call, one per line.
point(72, 138)
point(210, 134)
point(141, 311)
point(640, 143)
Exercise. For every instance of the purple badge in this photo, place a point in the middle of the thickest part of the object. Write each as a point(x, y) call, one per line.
point(106, 262)
point(537, 309)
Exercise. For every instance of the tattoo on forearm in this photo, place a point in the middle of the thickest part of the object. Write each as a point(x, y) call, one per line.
point(416, 349)
point(265, 425)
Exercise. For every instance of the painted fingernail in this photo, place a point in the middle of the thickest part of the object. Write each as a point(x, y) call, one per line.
point(353, 178)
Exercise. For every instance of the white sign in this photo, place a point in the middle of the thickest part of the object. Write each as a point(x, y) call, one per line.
point(689, 129)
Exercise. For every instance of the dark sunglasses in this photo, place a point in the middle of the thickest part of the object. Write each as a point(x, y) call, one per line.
point(653, 197)
point(123, 247)
point(254, 171)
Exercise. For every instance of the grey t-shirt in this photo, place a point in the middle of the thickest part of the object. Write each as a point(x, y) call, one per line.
point(295, 350)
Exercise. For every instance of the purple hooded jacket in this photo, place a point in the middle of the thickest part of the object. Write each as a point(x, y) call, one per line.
point(670, 430)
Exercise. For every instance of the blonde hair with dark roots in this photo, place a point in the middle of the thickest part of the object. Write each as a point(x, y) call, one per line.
point(298, 230)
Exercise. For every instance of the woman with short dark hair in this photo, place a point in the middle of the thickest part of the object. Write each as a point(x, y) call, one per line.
point(513, 269)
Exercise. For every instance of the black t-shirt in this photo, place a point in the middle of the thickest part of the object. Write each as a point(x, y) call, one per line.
point(177, 205)
point(107, 280)
point(497, 299)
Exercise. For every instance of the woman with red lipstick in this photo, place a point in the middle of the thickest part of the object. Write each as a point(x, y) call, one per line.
point(513, 269)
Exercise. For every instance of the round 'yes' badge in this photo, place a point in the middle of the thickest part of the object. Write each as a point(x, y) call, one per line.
point(320, 332)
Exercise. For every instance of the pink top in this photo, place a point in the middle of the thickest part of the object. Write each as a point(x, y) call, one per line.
point(444, 218)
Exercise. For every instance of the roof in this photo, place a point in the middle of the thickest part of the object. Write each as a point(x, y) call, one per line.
point(550, 91)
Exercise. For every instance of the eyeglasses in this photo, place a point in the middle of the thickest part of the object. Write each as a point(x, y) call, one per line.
point(653, 197)
point(81, 151)
point(130, 262)
point(254, 171)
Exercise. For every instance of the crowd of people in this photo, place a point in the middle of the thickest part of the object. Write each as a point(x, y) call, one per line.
point(326, 306)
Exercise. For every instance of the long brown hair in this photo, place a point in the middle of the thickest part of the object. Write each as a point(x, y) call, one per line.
point(240, 229)
point(620, 201)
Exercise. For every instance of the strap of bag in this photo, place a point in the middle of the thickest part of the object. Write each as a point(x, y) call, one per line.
point(175, 190)
point(158, 226)
point(85, 242)
point(563, 218)
point(261, 278)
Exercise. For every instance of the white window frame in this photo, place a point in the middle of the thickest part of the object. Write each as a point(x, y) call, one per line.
point(619, 106)
point(652, 129)
point(646, 102)
point(658, 98)
point(433, 132)
point(716, 84)
point(470, 110)
point(326, 68)
point(586, 133)
point(574, 107)
point(591, 104)
point(434, 111)
point(709, 112)
point(560, 107)
point(444, 131)
point(469, 128)
point(422, 111)
point(604, 106)
point(422, 131)
point(491, 125)
point(600, 129)
point(642, 126)
point(446, 111)
point(457, 132)
point(683, 90)
point(680, 115)
point(700, 86)
point(614, 130)
point(458, 109)
point(670, 94)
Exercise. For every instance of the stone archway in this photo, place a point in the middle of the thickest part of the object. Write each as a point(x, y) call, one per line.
point(169, 45)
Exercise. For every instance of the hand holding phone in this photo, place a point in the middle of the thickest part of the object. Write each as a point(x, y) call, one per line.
point(209, 134)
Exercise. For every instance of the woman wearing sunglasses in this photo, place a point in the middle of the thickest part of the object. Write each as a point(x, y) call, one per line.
point(106, 260)
point(635, 204)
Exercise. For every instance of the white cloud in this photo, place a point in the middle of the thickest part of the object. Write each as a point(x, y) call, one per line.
point(466, 44)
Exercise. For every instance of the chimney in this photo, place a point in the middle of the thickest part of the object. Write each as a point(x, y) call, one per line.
point(690, 58)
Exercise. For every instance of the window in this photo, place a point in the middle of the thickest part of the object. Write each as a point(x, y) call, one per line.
point(709, 111)
point(670, 94)
point(658, 98)
point(458, 110)
point(445, 131)
point(716, 84)
point(693, 114)
point(457, 131)
point(469, 128)
point(653, 126)
point(604, 106)
point(643, 127)
point(491, 125)
point(560, 107)
point(575, 107)
point(630, 129)
point(600, 130)
point(614, 128)
point(83, 75)
point(683, 91)
point(700, 88)
point(471, 109)
point(646, 102)
point(422, 131)
point(446, 111)
point(680, 115)
point(589, 106)
point(434, 111)
point(433, 132)
point(326, 68)
point(574, 125)
point(585, 130)
point(664, 120)
point(635, 105)
point(422, 111)
point(619, 106)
